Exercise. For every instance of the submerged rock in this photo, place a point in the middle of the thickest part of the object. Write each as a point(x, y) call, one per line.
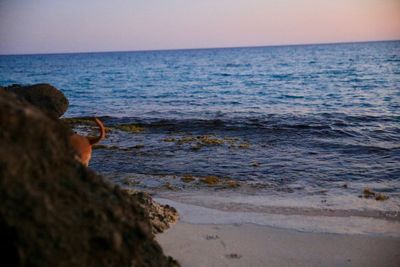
point(54, 211)
point(43, 96)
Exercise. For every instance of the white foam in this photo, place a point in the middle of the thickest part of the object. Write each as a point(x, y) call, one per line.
point(325, 224)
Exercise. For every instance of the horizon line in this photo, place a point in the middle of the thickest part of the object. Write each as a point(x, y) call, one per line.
point(198, 48)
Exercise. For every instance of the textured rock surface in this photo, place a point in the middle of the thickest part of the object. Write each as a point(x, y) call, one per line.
point(161, 216)
point(44, 96)
point(55, 212)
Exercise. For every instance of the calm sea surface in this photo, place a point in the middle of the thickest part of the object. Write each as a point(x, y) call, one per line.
point(292, 119)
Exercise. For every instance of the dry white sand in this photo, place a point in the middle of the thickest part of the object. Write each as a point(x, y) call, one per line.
point(212, 245)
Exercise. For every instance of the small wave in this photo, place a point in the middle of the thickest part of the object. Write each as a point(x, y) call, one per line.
point(232, 65)
point(281, 76)
point(317, 121)
point(223, 74)
point(352, 127)
point(349, 134)
point(356, 148)
point(292, 96)
point(393, 60)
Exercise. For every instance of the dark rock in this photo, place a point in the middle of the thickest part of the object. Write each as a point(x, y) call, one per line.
point(368, 193)
point(161, 216)
point(54, 211)
point(44, 96)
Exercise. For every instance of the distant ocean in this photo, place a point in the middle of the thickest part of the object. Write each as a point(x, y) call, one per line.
point(312, 120)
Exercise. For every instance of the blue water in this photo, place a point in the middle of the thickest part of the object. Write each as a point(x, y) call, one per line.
point(312, 115)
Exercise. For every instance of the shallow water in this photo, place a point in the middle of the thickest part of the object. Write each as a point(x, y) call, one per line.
point(317, 120)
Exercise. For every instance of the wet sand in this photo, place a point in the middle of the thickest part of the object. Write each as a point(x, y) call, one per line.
point(209, 236)
point(253, 245)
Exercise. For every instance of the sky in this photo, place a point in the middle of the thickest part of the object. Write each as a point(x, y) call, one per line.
point(58, 26)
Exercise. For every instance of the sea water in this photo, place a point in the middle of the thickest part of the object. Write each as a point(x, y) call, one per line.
point(310, 124)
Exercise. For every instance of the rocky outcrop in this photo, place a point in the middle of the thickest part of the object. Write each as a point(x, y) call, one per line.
point(161, 216)
point(44, 96)
point(54, 211)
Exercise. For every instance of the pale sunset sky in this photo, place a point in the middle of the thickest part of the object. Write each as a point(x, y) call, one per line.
point(51, 26)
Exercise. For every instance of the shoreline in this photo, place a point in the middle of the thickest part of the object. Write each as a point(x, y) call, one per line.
point(211, 237)
point(195, 212)
point(254, 245)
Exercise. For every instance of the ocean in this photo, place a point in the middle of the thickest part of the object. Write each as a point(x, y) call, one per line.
point(310, 125)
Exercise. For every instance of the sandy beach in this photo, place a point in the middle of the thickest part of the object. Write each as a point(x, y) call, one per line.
point(195, 245)
point(213, 237)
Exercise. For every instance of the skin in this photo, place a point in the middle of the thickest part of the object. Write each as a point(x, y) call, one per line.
point(83, 144)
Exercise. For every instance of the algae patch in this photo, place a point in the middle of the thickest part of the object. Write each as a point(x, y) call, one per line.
point(132, 128)
point(199, 141)
point(369, 193)
point(210, 180)
point(188, 178)
point(244, 145)
point(232, 184)
point(381, 197)
point(209, 140)
point(78, 120)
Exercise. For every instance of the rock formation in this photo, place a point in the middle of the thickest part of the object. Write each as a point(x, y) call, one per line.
point(161, 216)
point(54, 211)
point(44, 96)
